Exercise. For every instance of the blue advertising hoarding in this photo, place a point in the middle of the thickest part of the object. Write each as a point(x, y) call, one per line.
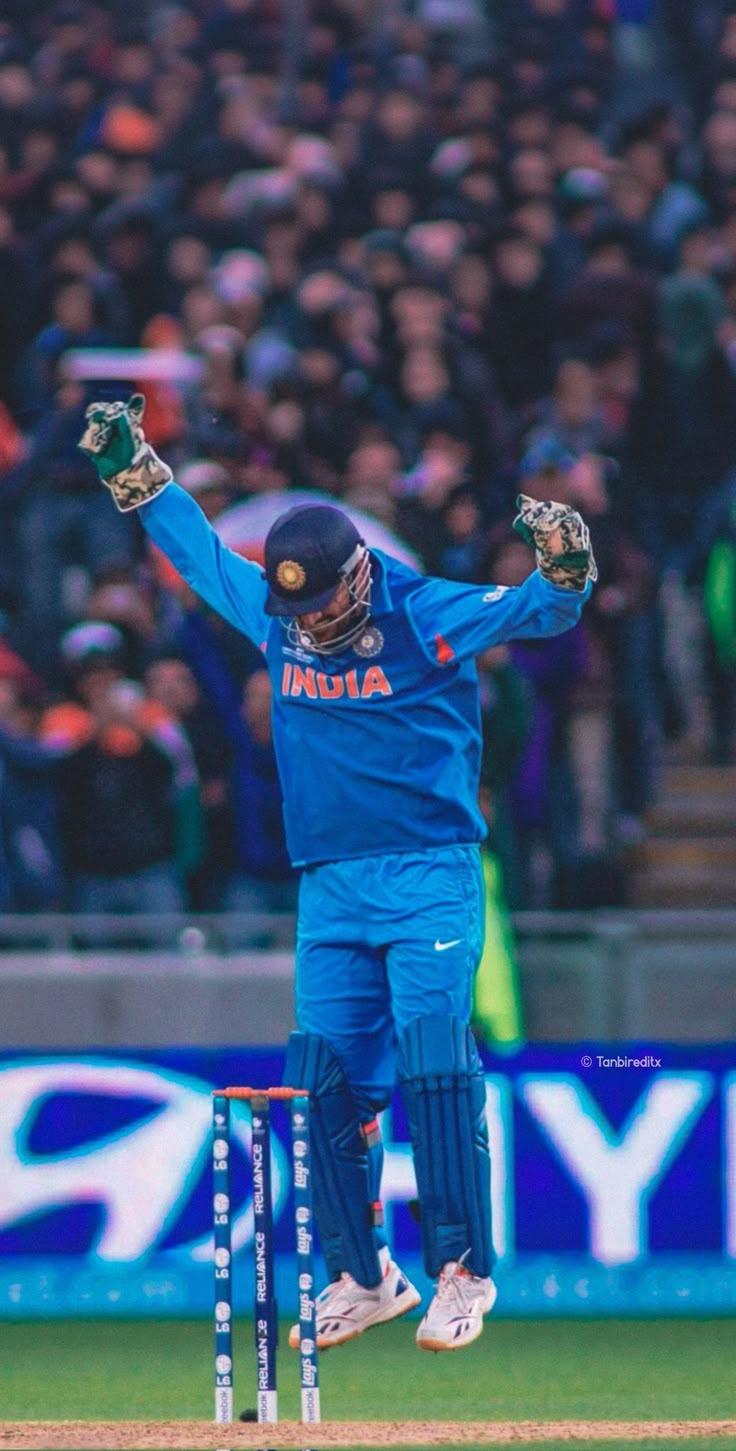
point(613, 1181)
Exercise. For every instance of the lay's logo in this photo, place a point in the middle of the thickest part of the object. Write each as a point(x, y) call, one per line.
point(316, 685)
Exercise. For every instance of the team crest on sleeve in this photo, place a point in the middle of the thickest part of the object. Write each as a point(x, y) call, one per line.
point(290, 575)
point(495, 594)
point(369, 643)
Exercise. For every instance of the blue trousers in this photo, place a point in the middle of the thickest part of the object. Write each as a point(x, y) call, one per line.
point(382, 940)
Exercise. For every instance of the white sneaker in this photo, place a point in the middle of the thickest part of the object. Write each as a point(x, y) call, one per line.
point(455, 1316)
point(345, 1309)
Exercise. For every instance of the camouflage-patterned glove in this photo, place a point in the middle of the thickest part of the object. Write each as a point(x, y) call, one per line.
point(115, 442)
point(571, 566)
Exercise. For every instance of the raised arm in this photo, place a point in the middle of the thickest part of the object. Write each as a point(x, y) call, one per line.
point(455, 621)
point(233, 586)
point(138, 479)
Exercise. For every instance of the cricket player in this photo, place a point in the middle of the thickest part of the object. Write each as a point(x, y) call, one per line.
point(377, 735)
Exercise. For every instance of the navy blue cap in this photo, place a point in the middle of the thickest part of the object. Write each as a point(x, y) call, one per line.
point(305, 551)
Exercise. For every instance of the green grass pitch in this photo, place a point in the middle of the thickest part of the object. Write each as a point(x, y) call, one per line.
point(519, 1370)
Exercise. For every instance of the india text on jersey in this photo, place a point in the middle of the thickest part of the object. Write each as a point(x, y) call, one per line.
point(355, 684)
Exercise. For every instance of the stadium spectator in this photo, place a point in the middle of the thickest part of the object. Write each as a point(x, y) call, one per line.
point(262, 878)
point(426, 246)
point(206, 830)
point(31, 877)
point(119, 783)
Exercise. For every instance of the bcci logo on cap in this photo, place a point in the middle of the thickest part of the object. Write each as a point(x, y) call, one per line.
point(290, 575)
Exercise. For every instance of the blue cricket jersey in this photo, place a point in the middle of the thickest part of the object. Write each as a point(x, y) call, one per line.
point(380, 752)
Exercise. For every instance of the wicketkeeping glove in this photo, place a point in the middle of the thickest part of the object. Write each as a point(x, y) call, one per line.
point(536, 521)
point(115, 442)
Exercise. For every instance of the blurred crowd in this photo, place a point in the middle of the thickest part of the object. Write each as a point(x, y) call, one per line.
point(418, 257)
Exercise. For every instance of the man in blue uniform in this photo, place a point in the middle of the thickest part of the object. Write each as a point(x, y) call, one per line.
point(377, 734)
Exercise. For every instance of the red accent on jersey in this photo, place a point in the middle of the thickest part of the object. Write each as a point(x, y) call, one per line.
point(445, 652)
